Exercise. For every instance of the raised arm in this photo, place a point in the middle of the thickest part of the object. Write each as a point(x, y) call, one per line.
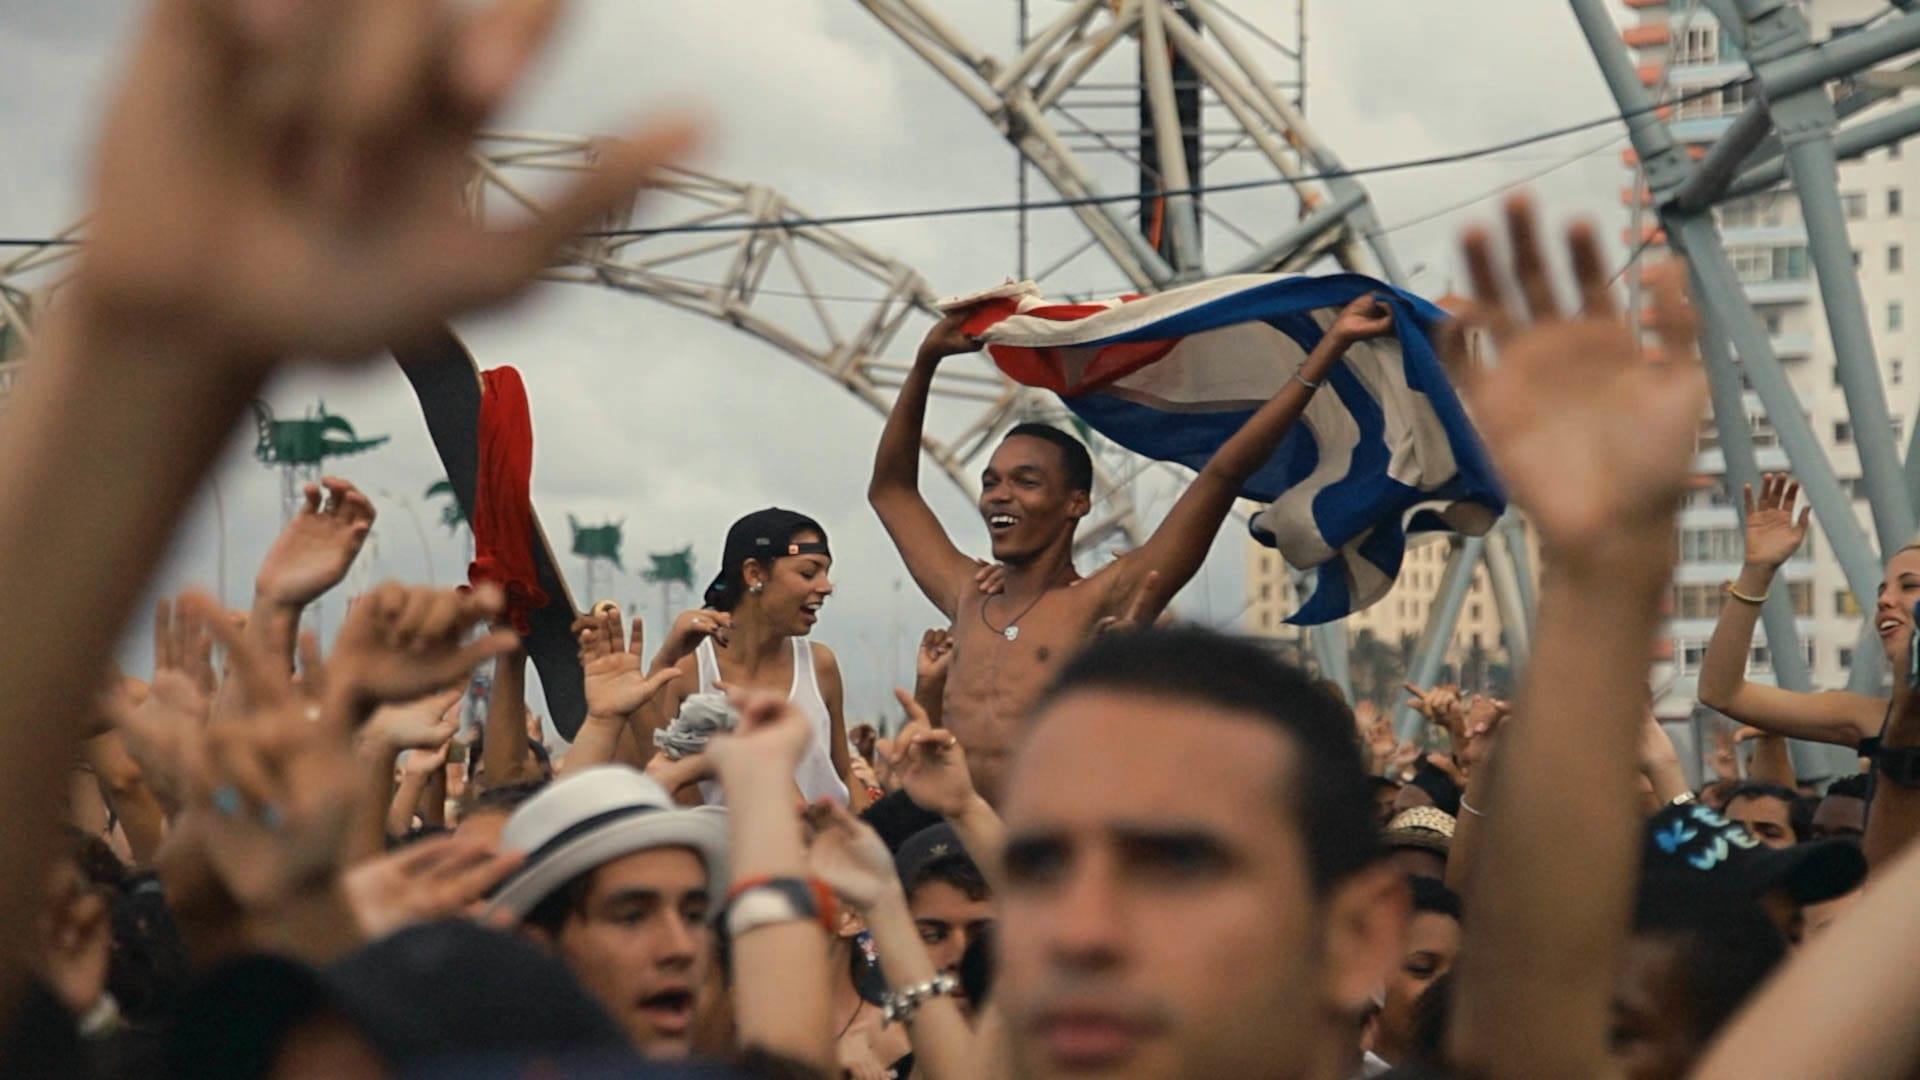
point(1180, 544)
point(1595, 444)
point(311, 555)
point(937, 566)
point(849, 856)
point(933, 771)
point(1893, 815)
point(212, 255)
point(506, 758)
point(780, 974)
point(1773, 534)
point(616, 688)
point(930, 666)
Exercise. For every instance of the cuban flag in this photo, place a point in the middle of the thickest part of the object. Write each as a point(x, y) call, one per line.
point(1383, 448)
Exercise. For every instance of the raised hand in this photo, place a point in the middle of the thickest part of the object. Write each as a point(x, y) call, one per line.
point(399, 643)
point(421, 724)
point(934, 657)
point(1376, 731)
point(282, 179)
point(947, 339)
point(1365, 318)
point(163, 732)
point(314, 551)
point(427, 760)
point(1593, 438)
point(435, 878)
point(1725, 760)
point(931, 764)
point(1141, 608)
point(279, 785)
point(617, 685)
point(689, 629)
point(849, 856)
point(1773, 533)
point(989, 578)
point(1480, 730)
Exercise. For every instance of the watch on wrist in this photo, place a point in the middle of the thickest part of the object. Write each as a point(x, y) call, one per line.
point(1900, 764)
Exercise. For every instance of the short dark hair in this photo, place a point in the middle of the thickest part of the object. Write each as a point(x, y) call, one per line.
point(1727, 949)
point(1855, 786)
point(1327, 787)
point(1432, 895)
point(956, 870)
point(555, 908)
point(1073, 452)
point(1760, 789)
point(1799, 817)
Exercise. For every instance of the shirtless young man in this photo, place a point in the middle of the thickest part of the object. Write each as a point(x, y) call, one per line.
point(1035, 490)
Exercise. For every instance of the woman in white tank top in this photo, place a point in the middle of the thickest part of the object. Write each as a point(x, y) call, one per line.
point(753, 635)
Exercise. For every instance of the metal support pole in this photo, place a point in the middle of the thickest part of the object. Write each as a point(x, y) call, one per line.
point(1724, 159)
point(1812, 67)
point(1743, 469)
point(1309, 229)
point(1777, 40)
point(1847, 143)
point(1170, 150)
point(1718, 295)
point(1503, 579)
point(1515, 535)
point(1330, 648)
point(1442, 617)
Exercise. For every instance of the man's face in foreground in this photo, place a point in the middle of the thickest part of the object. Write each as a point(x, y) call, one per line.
point(641, 945)
point(1158, 918)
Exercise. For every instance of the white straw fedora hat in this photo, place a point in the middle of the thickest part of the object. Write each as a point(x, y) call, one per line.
point(593, 817)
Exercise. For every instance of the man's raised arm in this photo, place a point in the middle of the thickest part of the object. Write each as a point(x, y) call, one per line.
point(937, 566)
point(1178, 547)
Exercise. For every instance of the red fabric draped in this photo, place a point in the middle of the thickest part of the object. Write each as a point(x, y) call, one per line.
point(503, 496)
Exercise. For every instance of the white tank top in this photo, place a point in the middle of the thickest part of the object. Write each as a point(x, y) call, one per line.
point(814, 775)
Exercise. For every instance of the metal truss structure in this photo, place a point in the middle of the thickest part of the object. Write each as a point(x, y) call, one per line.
point(26, 282)
point(1204, 93)
point(768, 279)
point(741, 254)
point(1790, 132)
point(1042, 100)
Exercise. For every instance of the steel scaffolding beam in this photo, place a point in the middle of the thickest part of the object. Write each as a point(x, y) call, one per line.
point(1790, 72)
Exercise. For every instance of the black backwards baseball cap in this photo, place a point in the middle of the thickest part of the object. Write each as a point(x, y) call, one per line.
point(1694, 847)
point(930, 845)
point(764, 535)
point(440, 999)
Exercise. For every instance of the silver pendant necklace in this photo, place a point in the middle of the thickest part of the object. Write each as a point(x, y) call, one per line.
point(1012, 632)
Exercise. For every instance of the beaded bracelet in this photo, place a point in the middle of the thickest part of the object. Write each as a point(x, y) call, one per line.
point(903, 1004)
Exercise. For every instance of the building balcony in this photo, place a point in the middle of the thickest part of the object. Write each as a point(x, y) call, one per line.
point(1647, 35)
point(1791, 346)
point(1714, 462)
point(1788, 233)
point(1788, 291)
point(1719, 571)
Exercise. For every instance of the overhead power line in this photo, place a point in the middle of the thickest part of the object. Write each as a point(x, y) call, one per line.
point(873, 217)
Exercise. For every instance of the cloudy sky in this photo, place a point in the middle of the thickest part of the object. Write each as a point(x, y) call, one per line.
point(678, 425)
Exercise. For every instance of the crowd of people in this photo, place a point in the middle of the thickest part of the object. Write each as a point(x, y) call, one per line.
point(1099, 845)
